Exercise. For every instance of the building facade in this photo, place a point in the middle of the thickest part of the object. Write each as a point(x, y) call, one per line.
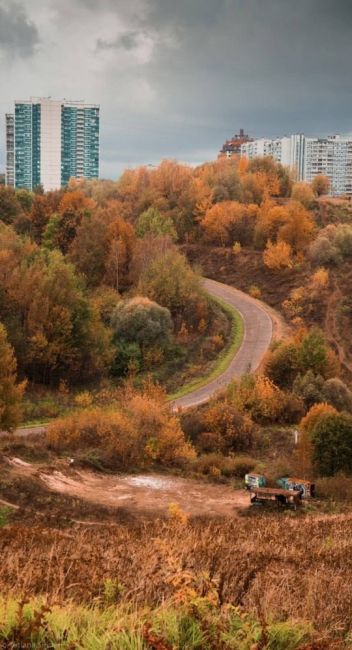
point(49, 141)
point(233, 147)
point(10, 149)
point(308, 157)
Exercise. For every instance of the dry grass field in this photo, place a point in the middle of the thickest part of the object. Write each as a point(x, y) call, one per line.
point(274, 566)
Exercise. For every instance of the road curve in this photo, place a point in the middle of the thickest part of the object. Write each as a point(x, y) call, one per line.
point(257, 336)
point(258, 332)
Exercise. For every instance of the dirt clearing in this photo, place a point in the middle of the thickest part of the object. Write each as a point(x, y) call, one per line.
point(149, 492)
point(138, 493)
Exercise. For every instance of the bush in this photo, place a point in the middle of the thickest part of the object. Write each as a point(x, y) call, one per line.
point(343, 240)
point(337, 394)
point(303, 193)
point(323, 251)
point(142, 321)
point(216, 465)
point(230, 429)
point(282, 364)
point(310, 388)
point(337, 488)
point(140, 432)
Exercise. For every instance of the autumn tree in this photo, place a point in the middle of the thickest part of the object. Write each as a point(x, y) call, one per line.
point(39, 216)
point(11, 391)
point(170, 281)
point(140, 320)
point(332, 442)
point(230, 221)
point(73, 206)
point(89, 249)
point(10, 207)
point(307, 351)
point(151, 222)
point(25, 199)
point(277, 256)
point(303, 193)
point(320, 185)
point(121, 238)
point(273, 177)
point(298, 228)
point(55, 329)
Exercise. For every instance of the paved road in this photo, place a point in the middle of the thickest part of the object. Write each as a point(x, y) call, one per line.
point(258, 331)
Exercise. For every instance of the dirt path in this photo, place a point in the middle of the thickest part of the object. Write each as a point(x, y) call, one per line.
point(137, 493)
point(149, 492)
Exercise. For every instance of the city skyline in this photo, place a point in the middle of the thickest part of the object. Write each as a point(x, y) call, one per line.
point(175, 79)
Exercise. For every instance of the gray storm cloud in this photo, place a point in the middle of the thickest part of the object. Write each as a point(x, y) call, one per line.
point(18, 34)
point(174, 79)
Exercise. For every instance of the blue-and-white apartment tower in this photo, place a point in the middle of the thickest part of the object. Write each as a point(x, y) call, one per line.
point(50, 141)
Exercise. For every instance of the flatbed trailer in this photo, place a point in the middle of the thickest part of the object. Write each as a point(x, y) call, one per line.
point(289, 498)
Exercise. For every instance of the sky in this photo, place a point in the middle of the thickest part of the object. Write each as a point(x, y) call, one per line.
point(175, 78)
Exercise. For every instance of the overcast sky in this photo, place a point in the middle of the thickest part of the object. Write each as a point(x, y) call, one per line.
point(175, 78)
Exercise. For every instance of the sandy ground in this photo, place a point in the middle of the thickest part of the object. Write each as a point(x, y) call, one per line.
point(149, 492)
point(152, 493)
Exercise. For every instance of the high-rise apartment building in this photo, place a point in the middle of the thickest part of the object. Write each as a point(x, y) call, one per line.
point(308, 157)
point(10, 149)
point(49, 141)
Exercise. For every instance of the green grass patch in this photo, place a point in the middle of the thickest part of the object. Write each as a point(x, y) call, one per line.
point(226, 355)
point(197, 625)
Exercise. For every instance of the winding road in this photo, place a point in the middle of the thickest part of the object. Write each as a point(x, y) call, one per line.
point(258, 332)
point(259, 323)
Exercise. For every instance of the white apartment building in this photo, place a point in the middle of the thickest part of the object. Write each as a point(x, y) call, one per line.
point(257, 148)
point(307, 157)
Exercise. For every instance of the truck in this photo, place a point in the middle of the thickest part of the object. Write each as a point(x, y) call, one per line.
point(304, 487)
point(281, 497)
point(254, 481)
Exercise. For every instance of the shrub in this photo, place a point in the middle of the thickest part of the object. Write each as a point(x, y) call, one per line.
point(320, 185)
point(139, 432)
point(142, 321)
point(214, 464)
point(337, 394)
point(128, 359)
point(310, 387)
point(282, 364)
point(316, 413)
point(343, 240)
point(151, 222)
point(303, 193)
point(277, 256)
point(338, 488)
point(231, 430)
point(254, 291)
point(324, 251)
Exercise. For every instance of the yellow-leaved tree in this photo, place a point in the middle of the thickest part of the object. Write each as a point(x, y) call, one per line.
point(277, 256)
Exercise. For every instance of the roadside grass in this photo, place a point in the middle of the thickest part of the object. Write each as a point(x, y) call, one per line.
point(225, 357)
point(198, 624)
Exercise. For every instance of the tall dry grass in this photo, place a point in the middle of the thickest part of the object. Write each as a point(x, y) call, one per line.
point(272, 566)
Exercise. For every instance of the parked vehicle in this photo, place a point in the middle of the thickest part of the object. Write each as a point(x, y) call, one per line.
point(285, 498)
point(254, 481)
point(305, 488)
